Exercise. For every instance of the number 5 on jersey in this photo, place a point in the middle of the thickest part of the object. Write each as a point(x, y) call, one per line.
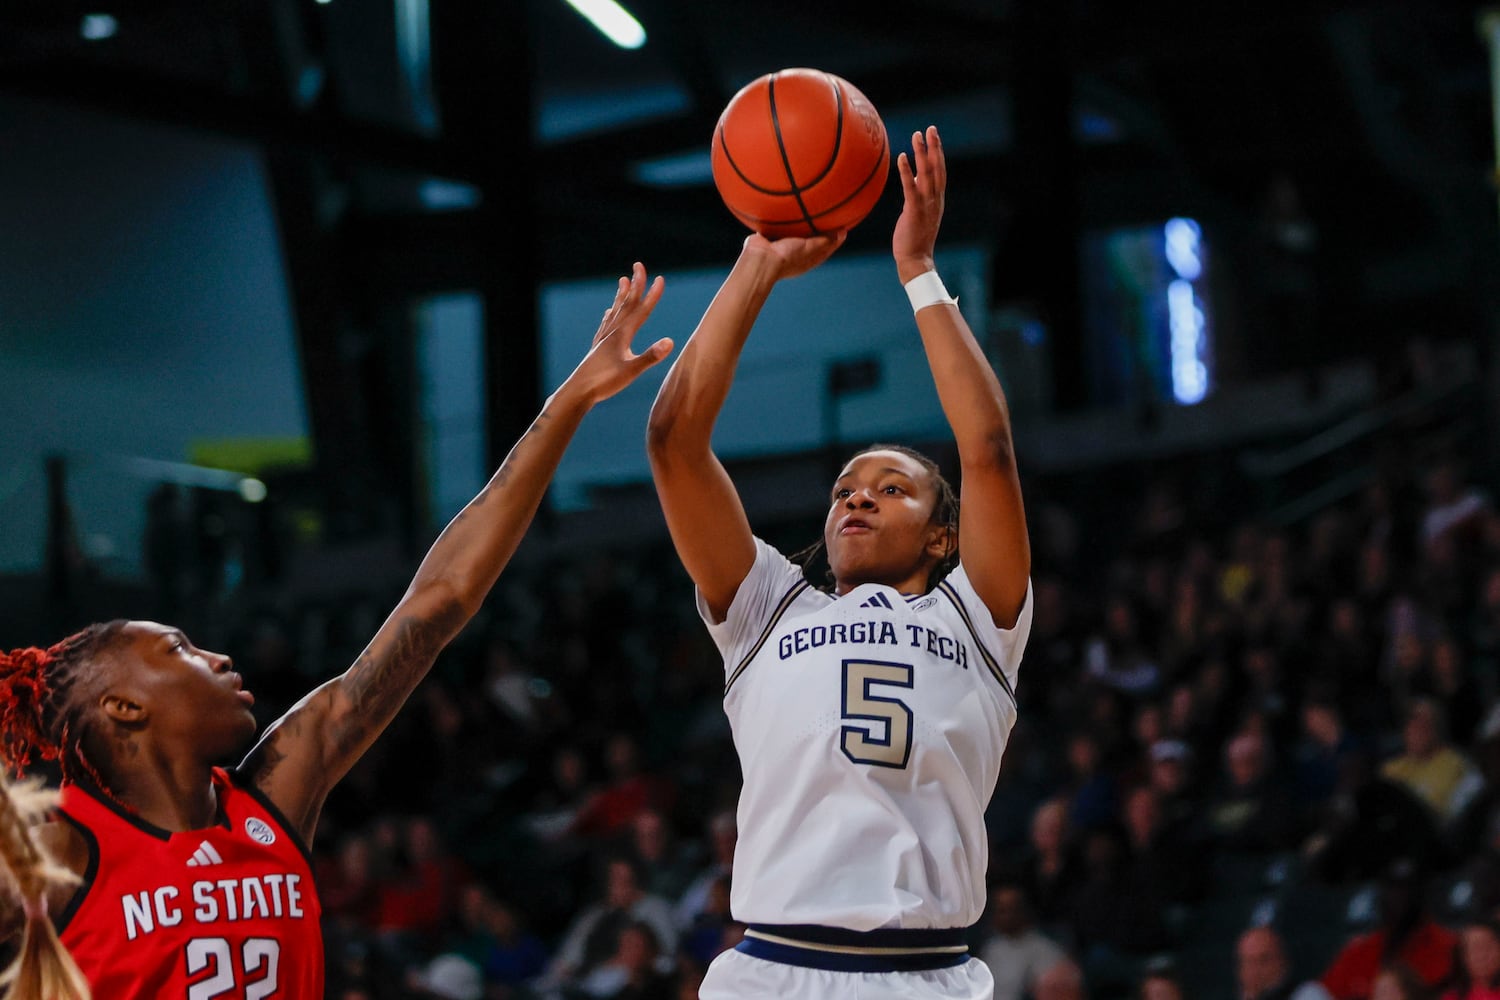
point(860, 742)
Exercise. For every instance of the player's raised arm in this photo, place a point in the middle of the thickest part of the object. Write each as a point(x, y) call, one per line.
point(993, 543)
point(704, 513)
point(305, 753)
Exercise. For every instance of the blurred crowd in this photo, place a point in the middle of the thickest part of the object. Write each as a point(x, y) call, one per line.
point(1252, 760)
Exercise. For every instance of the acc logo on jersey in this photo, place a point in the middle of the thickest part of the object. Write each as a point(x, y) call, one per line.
point(260, 831)
point(924, 604)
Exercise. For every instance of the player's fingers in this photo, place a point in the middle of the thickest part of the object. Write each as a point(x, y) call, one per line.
point(903, 170)
point(653, 293)
point(650, 356)
point(939, 159)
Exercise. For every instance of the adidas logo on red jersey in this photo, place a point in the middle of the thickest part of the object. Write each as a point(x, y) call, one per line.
point(205, 855)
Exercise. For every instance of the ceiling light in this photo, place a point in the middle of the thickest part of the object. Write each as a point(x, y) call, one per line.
point(97, 27)
point(615, 22)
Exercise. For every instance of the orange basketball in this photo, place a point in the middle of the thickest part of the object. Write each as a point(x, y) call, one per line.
point(800, 152)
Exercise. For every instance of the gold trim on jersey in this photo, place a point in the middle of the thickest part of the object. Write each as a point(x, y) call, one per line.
point(942, 949)
point(781, 609)
point(984, 653)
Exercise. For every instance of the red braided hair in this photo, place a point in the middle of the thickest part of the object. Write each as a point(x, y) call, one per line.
point(39, 717)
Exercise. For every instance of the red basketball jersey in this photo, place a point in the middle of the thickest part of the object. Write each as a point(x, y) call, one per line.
point(228, 911)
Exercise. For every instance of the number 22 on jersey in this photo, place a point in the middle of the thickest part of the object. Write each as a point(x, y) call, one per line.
point(260, 959)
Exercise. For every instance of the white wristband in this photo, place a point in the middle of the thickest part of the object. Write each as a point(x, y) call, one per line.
point(927, 289)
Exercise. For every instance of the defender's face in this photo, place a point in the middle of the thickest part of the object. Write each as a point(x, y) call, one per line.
point(184, 689)
point(879, 526)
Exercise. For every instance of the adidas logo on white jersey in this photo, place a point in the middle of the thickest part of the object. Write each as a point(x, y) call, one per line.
point(877, 601)
point(205, 855)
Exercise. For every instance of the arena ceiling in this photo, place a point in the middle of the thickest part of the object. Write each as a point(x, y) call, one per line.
point(420, 145)
point(1372, 108)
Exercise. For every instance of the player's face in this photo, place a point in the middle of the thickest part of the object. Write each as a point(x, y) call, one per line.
point(184, 690)
point(879, 527)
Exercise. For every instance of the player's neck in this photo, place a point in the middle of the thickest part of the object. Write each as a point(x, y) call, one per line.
point(167, 792)
point(912, 585)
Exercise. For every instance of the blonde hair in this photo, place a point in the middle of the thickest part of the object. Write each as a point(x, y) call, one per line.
point(43, 969)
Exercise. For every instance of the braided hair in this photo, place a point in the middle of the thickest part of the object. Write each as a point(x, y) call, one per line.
point(42, 716)
point(42, 969)
point(944, 512)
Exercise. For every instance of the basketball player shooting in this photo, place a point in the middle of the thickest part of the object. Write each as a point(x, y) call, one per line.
point(870, 716)
point(195, 879)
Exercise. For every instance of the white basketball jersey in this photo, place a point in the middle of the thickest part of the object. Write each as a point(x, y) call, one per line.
point(870, 729)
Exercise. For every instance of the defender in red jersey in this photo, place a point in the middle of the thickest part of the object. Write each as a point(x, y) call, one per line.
point(195, 880)
point(236, 900)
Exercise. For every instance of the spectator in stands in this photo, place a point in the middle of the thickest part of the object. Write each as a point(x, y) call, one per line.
point(1018, 953)
point(1251, 814)
point(704, 938)
point(1370, 823)
point(1147, 726)
point(348, 882)
point(511, 689)
point(594, 935)
point(723, 835)
point(1063, 981)
point(490, 936)
point(1118, 658)
point(449, 977)
point(1266, 691)
point(664, 873)
point(416, 898)
point(1430, 767)
point(1262, 971)
point(1455, 510)
point(1185, 632)
point(1472, 828)
point(1051, 871)
point(630, 792)
point(1452, 684)
point(559, 801)
point(1160, 981)
point(1476, 973)
point(1093, 797)
point(1344, 656)
point(1484, 625)
point(1161, 854)
point(1405, 933)
point(1115, 916)
point(1397, 982)
point(1053, 649)
point(1319, 755)
point(634, 970)
point(1170, 776)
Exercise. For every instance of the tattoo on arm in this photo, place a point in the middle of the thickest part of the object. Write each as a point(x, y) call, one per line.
point(502, 475)
point(381, 679)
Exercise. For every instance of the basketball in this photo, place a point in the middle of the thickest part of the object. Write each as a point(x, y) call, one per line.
point(800, 152)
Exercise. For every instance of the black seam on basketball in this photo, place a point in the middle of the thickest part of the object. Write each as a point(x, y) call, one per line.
point(838, 136)
point(729, 157)
point(786, 160)
point(874, 171)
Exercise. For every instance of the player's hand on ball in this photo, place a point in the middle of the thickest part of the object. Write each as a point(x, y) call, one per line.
point(611, 364)
point(924, 180)
point(794, 255)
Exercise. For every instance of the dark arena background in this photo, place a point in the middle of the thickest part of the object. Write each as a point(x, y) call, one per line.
point(281, 280)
